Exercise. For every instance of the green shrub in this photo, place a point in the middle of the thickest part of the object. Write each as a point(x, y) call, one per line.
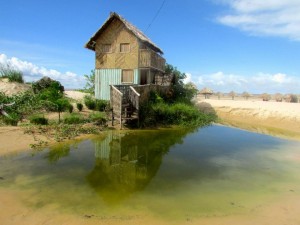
point(173, 114)
point(38, 119)
point(98, 118)
point(101, 105)
point(47, 83)
point(73, 118)
point(79, 106)
point(90, 102)
point(70, 108)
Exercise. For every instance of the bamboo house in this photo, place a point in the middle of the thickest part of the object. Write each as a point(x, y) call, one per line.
point(125, 59)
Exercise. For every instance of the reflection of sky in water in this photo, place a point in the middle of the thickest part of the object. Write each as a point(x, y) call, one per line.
point(211, 170)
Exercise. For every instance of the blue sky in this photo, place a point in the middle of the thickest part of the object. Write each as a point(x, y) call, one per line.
point(240, 45)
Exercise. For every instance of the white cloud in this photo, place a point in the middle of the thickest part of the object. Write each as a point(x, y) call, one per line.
point(259, 83)
point(33, 72)
point(265, 17)
point(188, 78)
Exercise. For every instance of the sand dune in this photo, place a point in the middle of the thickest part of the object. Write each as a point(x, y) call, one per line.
point(11, 88)
point(275, 118)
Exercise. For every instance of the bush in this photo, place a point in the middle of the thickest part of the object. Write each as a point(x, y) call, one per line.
point(38, 119)
point(47, 83)
point(173, 114)
point(13, 75)
point(79, 106)
point(73, 119)
point(101, 105)
point(98, 118)
point(90, 102)
point(70, 108)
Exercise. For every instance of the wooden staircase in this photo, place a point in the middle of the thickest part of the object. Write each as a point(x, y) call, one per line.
point(124, 100)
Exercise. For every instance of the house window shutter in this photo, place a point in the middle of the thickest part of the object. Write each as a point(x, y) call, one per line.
point(124, 47)
point(127, 76)
point(106, 48)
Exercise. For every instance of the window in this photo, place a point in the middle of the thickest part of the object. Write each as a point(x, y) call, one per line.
point(124, 47)
point(106, 48)
point(127, 76)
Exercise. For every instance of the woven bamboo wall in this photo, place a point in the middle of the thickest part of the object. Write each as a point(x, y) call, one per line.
point(116, 34)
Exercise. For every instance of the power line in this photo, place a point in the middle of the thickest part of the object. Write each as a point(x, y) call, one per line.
point(157, 13)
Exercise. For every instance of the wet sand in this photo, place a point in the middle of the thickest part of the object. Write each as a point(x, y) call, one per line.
point(13, 211)
point(14, 140)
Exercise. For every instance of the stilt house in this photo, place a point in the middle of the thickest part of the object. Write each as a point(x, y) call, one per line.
point(125, 60)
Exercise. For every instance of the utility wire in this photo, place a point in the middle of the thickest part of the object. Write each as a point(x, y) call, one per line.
point(157, 13)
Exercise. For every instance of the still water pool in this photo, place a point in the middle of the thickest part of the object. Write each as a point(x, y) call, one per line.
point(170, 174)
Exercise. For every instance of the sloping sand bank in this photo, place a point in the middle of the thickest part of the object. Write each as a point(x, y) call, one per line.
point(280, 119)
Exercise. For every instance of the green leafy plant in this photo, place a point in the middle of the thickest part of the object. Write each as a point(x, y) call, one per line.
point(79, 106)
point(61, 105)
point(90, 102)
point(101, 105)
point(70, 108)
point(38, 119)
point(47, 83)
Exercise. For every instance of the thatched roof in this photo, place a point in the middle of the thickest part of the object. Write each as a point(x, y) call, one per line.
point(135, 31)
point(206, 91)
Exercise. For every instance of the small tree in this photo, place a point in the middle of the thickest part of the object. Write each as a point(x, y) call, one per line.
point(62, 105)
point(178, 89)
point(90, 82)
point(191, 89)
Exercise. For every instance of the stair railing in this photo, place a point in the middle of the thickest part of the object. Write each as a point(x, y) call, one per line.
point(116, 98)
point(134, 97)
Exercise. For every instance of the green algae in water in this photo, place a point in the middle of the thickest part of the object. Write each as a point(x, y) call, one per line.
point(213, 171)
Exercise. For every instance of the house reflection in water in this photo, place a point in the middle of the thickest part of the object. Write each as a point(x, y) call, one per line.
point(127, 162)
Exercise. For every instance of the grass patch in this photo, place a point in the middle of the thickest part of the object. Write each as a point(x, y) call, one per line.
point(73, 118)
point(12, 120)
point(99, 118)
point(11, 74)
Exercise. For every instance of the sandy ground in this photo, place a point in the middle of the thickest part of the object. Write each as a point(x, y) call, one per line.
point(275, 118)
point(12, 88)
point(13, 140)
point(77, 95)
